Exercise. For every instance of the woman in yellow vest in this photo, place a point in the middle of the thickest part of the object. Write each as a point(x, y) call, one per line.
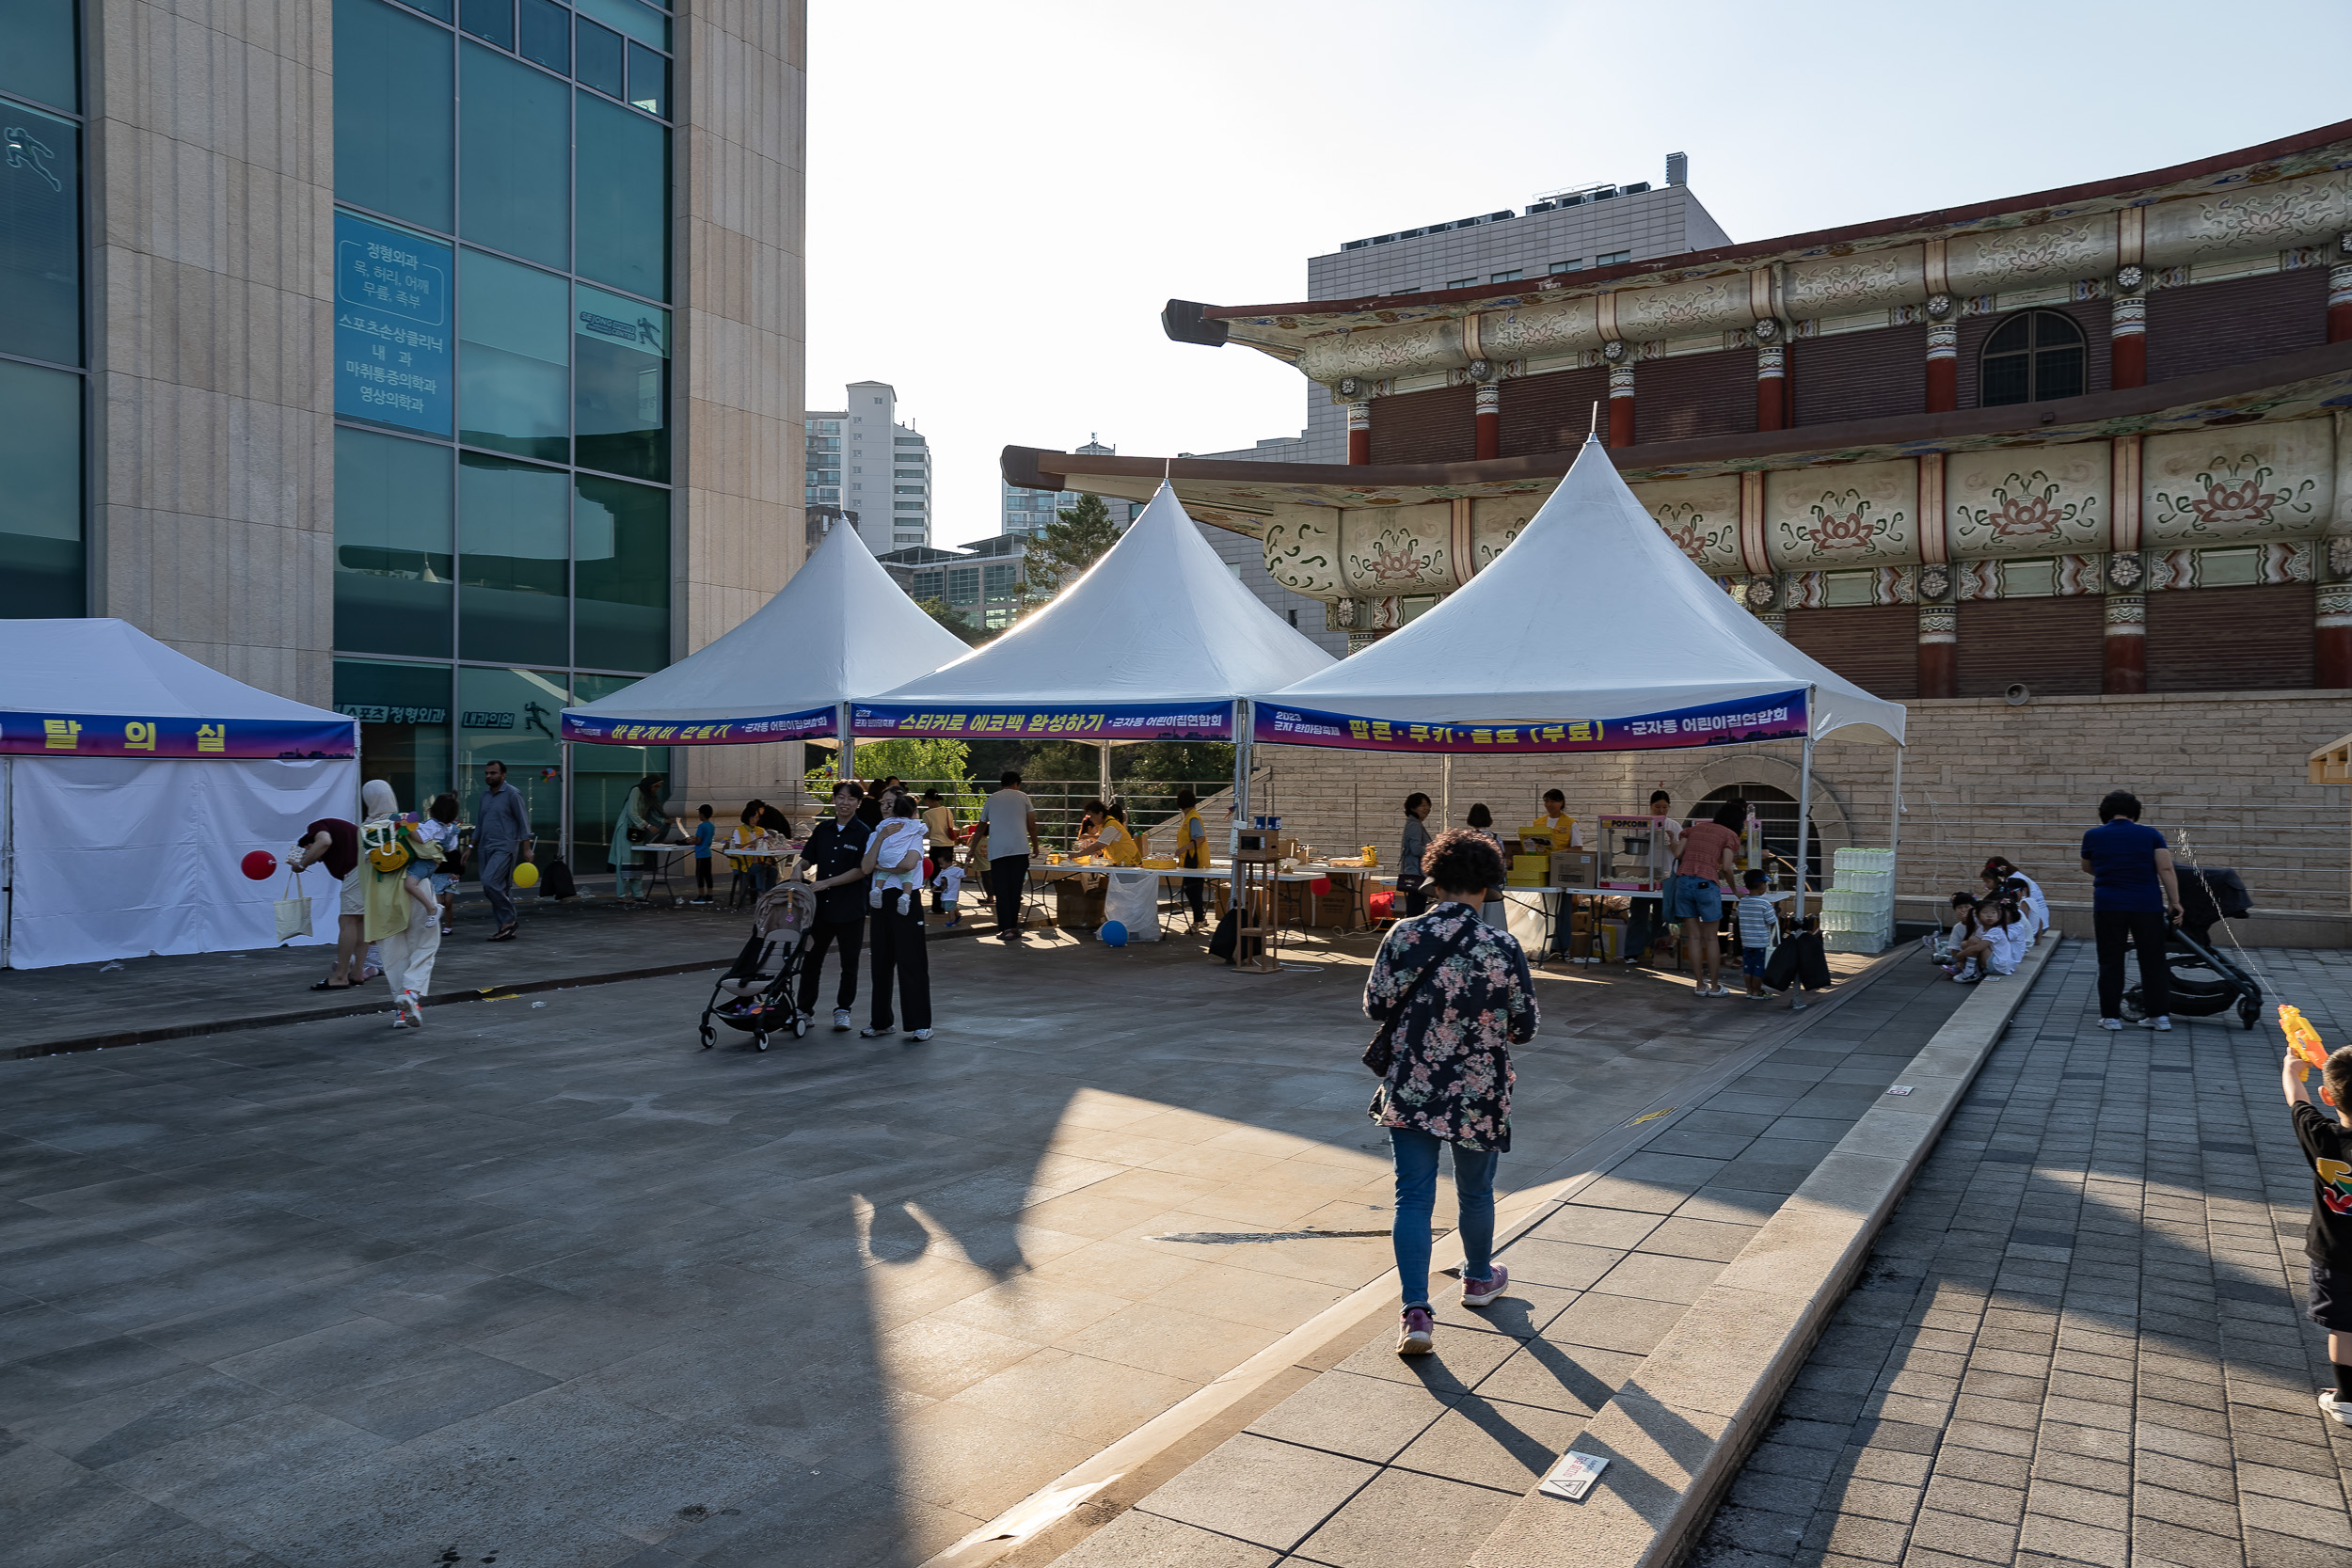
point(1192, 852)
point(1111, 839)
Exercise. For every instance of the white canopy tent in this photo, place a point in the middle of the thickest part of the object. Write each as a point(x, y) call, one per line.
point(1156, 641)
point(840, 629)
point(1590, 632)
point(133, 780)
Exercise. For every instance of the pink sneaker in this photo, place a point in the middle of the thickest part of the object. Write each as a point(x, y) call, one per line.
point(1478, 1292)
point(1417, 1335)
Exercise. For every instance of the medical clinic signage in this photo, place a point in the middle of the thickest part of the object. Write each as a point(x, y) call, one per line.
point(1096, 721)
point(391, 327)
point(808, 724)
point(1778, 716)
point(85, 735)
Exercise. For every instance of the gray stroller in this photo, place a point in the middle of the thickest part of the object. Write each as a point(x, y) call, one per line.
point(756, 994)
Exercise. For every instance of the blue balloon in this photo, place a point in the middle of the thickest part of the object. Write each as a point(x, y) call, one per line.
point(1114, 933)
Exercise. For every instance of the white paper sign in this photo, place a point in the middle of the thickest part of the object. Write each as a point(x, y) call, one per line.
point(1573, 1477)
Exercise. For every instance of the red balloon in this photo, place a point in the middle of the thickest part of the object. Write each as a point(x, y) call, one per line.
point(259, 864)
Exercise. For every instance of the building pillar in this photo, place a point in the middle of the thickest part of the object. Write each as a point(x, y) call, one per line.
point(1772, 379)
point(1359, 433)
point(1489, 418)
point(1943, 354)
point(2125, 664)
point(2128, 331)
point(1620, 357)
point(2332, 628)
point(2340, 296)
point(1939, 651)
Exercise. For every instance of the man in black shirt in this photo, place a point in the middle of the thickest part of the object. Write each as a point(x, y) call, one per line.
point(2327, 1141)
point(830, 859)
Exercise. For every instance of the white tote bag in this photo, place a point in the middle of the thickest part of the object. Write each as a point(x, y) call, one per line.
point(293, 909)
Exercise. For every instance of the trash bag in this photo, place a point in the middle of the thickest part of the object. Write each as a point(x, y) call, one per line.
point(1798, 960)
point(1132, 899)
point(1225, 937)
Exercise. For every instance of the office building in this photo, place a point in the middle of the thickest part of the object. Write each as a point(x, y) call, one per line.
point(1027, 512)
point(874, 470)
point(985, 583)
point(389, 357)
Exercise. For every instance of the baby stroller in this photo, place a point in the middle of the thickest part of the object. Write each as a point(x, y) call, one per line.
point(748, 998)
point(2204, 984)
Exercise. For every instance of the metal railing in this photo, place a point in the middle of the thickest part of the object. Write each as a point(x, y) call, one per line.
point(1059, 804)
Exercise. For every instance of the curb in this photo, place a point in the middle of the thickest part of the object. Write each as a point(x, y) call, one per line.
point(1040, 1526)
point(1677, 1433)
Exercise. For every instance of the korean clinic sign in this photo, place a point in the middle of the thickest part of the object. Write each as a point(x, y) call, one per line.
point(808, 724)
point(90, 734)
point(392, 325)
point(1780, 716)
point(1106, 721)
point(610, 319)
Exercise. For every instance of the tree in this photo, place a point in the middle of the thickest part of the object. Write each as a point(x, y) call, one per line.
point(903, 759)
point(937, 608)
point(1063, 550)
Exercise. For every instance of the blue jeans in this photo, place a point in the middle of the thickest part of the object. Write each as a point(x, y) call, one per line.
point(1416, 1154)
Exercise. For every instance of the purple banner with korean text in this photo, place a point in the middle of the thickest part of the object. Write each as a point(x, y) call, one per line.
point(816, 724)
point(1780, 716)
point(92, 735)
point(1096, 721)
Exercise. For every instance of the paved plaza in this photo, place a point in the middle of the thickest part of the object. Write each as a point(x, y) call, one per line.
point(548, 1284)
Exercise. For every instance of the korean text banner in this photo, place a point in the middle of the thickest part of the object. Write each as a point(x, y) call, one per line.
point(1096, 721)
point(89, 735)
point(1778, 716)
point(813, 724)
point(391, 326)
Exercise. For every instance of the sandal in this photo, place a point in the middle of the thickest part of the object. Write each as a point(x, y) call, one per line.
point(330, 985)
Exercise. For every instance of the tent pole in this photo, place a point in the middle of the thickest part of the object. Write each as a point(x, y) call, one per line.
point(1103, 771)
point(1895, 821)
point(1445, 792)
point(1805, 809)
point(845, 768)
point(1242, 724)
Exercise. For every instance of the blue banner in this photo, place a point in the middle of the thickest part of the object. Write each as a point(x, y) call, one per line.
point(392, 349)
point(1780, 716)
point(1094, 721)
point(102, 735)
point(816, 724)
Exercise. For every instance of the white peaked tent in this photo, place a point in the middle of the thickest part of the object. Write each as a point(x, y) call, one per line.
point(1156, 641)
point(1590, 632)
point(839, 630)
point(133, 780)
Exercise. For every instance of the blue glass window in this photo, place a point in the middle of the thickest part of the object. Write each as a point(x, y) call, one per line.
point(492, 20)
point(514, 381)
point(514, 717)
point(621, 385)
point(392, 546)
point(41, 236)
point(602, 57)
point(37, 51)
point(403, 711)
point(623, 198)
point(547, 35)
point(648, 80)
point(515, 135)
point(40, 527)
point(513, 540)
point(392, 141)
point(620, 575)
point(602, 776)
point(640, 22)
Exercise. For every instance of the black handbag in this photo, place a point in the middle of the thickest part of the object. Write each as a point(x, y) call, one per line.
point(1380, 1055)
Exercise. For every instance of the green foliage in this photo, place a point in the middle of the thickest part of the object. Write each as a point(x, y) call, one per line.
point(937, 608)
point(1063, 549)
point(1174, 760)
point(941, 765)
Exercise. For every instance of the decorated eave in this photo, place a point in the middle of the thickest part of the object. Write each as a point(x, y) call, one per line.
point(2267, 200)
point(1244, 496)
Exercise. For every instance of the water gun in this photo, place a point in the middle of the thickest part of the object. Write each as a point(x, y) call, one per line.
point(2304, 1042)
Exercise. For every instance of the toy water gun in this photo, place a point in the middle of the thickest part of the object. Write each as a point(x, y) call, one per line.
point(2304, 1042)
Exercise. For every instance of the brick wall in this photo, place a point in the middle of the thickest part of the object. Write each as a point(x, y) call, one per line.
point(1860, 375)
point(2052, 645)
point(1552, 413)
point(1436, 426)
point(1875, 646)
point(1693, 395)
point(2210, 327)
point(1979, 776)
point(2231, 639)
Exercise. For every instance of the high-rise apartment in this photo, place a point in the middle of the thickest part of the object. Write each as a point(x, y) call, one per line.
point(1027, 512)
point(879, 471)
point(387, 358)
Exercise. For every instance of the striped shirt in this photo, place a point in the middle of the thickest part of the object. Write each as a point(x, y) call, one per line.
point(1755, 920)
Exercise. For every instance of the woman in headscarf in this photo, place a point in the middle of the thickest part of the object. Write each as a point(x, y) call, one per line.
point(639, 823)
point(400, 913)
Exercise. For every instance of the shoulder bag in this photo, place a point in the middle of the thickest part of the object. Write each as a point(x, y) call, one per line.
point(1380, 1055)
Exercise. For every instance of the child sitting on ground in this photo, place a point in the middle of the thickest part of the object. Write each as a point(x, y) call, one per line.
point(1757, 919)
point(901, 834)
point(1941, 946)
point(2326, 1142)
point(2000, 944)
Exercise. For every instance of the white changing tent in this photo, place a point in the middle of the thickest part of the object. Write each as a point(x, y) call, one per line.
point(133, 780)
point(840, 629)
point(1156, 641)
point(1591, 632)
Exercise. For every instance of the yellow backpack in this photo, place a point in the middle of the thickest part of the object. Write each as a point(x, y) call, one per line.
point(386, 852)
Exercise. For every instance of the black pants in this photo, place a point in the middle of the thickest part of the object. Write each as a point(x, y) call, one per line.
point(1414, 891)
point(1006, 875)
point(851, 935)
point(702, 876)
point(899, 952)
point(1197, 895)
point(2147, 931)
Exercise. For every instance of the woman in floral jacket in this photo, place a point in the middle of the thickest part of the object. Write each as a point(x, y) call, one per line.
point(1461, 996)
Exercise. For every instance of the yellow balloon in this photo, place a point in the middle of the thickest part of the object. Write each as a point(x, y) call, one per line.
point(526, 875)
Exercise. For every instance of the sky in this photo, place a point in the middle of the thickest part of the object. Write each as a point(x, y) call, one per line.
point(1001, 197)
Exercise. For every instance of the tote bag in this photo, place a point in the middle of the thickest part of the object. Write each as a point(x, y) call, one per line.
point(293, 909)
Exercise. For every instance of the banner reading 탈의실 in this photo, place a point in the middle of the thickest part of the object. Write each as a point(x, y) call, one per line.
point(1780, 716)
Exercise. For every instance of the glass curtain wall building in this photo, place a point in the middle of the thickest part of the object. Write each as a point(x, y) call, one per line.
point(44, 359)
point(503, 477)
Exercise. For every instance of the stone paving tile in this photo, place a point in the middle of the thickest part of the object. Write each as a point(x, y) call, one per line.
point(2099, 1274)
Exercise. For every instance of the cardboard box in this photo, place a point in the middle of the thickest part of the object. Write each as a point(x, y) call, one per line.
point(1074, 907)
point(1579, 868)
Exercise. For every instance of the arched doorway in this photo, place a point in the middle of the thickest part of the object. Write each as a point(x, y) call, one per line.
point(1777, 813)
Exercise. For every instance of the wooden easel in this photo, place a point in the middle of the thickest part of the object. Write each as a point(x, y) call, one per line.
point(1258, 933)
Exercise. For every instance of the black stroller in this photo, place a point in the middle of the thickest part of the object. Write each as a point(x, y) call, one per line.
point(749, 998)
point(2206, 984)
